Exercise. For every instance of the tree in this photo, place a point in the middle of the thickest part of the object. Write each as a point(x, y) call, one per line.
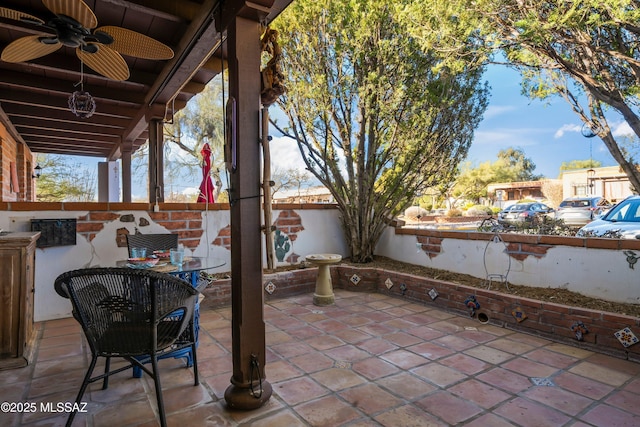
point(586, 51)
point(376, 117)
point(511, 166)
point(285, 179)
point(65, 180)
point(553, 192)
point(580, 164)
point(201, 121)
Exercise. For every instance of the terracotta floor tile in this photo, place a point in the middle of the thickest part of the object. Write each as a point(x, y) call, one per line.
point(479, 393)
point(327, 411)
point(505, 380)
point(454, 342)
point(489, 354)
point(281, 370)
point(376, 346)
point(324, 342)
point(370, 399)
point(439, 375)
point(337, 379)
point(526, 413)
point(369, 360)
point(449, 407)
point(464, 363)
point(626, 401)
point(490, 420)
point(551, 358)
point(299, 390)
point(605, 415)
point(374, 368)
point(510, 346)
point(347, 353)
point(406, 386)
point(600, 373)
point(404, 359)
point(555, 397)
point(408, 415)
point(351, 336)
point(431, 351)
point(312, 362)
point(530, 368)
point(581, 385)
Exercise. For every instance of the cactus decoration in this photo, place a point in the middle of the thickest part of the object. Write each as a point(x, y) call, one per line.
point(282, 245)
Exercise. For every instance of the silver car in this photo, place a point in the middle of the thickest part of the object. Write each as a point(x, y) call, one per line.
point(622, 222)
point(578, 211)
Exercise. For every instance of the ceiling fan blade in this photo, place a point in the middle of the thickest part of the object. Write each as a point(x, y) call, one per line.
point(27, 48)
point(18, 16)
point(105, 61)
point(76, 9)
point(132, 43)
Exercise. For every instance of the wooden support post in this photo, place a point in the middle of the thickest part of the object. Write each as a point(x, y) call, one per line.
point(249, 388)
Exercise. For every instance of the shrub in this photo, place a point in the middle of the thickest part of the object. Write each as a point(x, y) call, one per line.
point(479, 210)
point(454, 212)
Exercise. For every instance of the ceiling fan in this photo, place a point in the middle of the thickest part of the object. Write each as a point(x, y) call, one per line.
point(73, 24)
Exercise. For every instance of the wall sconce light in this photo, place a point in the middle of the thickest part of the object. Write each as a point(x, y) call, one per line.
point(37, 171)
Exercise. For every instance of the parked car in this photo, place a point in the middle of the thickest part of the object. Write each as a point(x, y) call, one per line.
point(578, 211)
point(524, 212)
point(622, 221)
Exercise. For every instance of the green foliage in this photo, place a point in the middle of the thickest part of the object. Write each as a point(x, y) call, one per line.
point(64, 180)
point(377, 116)
point(580, 164)
point(511, 166)
point(200, 122)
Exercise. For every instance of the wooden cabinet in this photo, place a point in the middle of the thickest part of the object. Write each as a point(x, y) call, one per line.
point(17, 264)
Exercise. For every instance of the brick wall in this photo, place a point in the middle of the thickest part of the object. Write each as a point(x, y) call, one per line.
point(549, 320)
point(19, 154)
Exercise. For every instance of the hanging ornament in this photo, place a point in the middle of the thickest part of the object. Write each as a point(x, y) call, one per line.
point(81, 103)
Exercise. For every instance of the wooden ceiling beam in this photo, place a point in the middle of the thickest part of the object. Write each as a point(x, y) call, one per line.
point(57, 103)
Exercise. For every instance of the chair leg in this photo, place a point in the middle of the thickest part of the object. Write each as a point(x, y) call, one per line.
point(83, 388)
point(107, 365)
point(196, 379)
point(156, 381)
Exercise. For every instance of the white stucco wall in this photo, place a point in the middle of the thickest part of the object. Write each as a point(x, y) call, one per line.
point(321, 233)
point(598, 273)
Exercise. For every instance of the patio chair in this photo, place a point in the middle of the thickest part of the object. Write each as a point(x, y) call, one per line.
point(133, 314)
point(153, 242)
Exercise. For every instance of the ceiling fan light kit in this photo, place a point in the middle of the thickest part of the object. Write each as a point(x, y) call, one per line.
point(71, 25)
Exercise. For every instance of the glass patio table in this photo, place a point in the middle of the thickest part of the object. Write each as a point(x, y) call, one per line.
point(189, 271)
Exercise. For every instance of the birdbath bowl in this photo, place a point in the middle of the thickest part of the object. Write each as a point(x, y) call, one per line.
point(324, 290)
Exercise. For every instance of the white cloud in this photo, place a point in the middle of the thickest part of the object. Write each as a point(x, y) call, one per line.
point(497, 110)
point(285, 154)
point(190, 191)
point(506, 137)
point(621, 129)
point(567, 128)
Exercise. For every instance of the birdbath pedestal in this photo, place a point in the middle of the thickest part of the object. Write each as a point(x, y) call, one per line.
point(324, 291)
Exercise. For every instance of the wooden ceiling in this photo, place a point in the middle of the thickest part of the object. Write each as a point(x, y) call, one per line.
point(34, 95)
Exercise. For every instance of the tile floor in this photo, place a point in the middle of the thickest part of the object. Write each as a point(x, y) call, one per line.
point(369, 360)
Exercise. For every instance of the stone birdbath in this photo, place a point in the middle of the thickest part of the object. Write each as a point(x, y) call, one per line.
point(324, 290)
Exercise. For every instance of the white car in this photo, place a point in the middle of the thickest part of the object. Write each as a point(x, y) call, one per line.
point(621, 222)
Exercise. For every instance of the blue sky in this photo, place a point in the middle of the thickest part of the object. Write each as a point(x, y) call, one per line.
point(547, 131)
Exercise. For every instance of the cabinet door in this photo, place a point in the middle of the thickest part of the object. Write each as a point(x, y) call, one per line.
point(10, 302)
point(27, 330)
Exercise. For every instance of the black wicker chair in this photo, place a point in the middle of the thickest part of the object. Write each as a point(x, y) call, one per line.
point(153, 242)
point(133, 314)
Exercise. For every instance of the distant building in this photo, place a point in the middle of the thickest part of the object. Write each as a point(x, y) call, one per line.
point(304, 195)
point(609, 182)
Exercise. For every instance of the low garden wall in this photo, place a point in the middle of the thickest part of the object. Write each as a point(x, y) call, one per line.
point(553, 321)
